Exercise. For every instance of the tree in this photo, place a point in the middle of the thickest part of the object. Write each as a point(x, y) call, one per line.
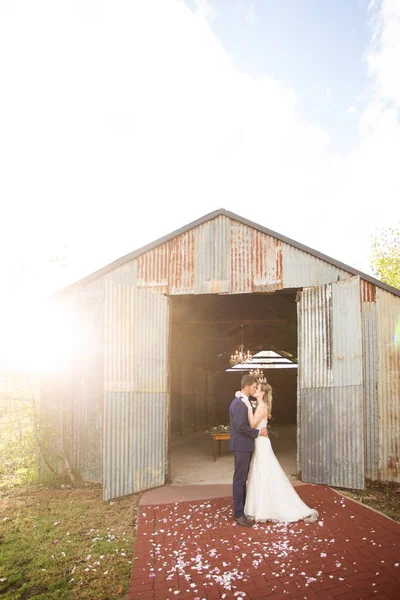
point(385, 259)
point(25, 449)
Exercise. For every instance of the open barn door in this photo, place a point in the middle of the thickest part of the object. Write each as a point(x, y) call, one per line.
point(330, 385)
point(136, 390)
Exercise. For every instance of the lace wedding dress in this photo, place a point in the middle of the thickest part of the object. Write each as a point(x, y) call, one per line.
point(270, 496)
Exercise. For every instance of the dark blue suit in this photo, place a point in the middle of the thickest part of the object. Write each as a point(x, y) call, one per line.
point(242, 445)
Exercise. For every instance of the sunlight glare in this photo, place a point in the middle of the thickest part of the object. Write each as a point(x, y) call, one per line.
point(37, 338)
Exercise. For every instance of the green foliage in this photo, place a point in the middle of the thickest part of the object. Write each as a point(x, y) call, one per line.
point(385, 260)
point(18, 447)
point(29, 446)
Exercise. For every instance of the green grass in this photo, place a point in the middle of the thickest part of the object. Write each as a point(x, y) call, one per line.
point(381, 495)
point(65, 543)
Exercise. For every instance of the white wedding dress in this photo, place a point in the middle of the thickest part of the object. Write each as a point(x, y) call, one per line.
point(269, 494)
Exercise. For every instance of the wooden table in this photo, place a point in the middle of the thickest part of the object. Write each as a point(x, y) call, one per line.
point(217, 441)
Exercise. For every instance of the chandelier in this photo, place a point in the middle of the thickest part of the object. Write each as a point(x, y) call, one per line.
point(240, 355)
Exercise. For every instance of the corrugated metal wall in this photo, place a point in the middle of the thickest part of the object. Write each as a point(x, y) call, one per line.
point(331, 396)
point(381, 331)
point(315, 333)
point(347, 363)
point(123, 319)
point(331, 447)
point(134, 442)
point(136, 390)
point(370, 351)
point(226, 256)
point(301, 269)
point(212, 271)
point(388, 376)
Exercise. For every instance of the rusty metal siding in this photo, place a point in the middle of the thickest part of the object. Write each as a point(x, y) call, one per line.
point(325, 260)
point(330, 393)
point(388, 328)
point(368, 291)
point(212, 257)
point(226, 256)
point(153, 269)
point(241, 255)
point(136, 390)
point(220, 256)
point(169, 268)
point(301, 269)
point(256, 261)
point(370, 351)
point(267, 263)
point(314, 337)
point(181, 264)
point(195, 262)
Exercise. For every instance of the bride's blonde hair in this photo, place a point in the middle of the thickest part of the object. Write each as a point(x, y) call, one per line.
point(267, 389)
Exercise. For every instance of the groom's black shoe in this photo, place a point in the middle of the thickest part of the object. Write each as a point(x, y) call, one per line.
point(243, 521)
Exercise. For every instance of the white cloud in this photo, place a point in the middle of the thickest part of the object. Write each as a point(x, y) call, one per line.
point(122, 124)
point(384, 55)
point(370, 181)
point(205, 9)
point(379, 146)
point(251, 15)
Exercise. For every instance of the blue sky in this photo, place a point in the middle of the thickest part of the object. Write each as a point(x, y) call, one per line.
point(318, 48)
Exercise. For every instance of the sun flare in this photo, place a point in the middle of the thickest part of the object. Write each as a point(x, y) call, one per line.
point(36, 338)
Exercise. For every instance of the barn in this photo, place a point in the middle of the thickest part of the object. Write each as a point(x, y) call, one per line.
point(153, 333)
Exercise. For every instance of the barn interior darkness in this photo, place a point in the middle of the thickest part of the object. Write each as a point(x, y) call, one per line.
point(205, 331)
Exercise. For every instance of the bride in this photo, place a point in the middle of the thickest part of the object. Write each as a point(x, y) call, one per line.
point(269, 494)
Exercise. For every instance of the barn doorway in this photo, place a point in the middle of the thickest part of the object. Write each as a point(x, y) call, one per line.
point(205, 331)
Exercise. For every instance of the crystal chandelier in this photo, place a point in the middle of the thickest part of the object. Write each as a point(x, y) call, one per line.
point(240, 355)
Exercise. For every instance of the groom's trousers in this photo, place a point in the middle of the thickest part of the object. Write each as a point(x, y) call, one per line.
point(242, 464)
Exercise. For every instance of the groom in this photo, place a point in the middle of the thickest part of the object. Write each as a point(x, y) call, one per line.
point(242, 446)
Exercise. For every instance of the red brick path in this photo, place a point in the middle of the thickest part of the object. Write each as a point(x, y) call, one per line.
point(194, 550)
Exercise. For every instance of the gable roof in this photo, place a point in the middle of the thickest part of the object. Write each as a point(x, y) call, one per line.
point(213, 215)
